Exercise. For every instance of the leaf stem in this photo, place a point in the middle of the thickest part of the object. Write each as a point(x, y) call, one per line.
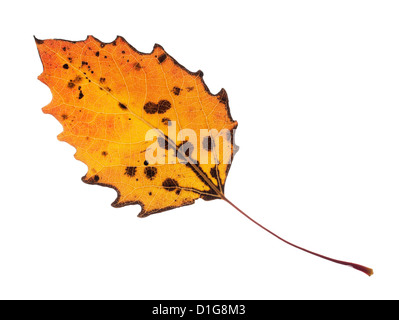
point(356, 266)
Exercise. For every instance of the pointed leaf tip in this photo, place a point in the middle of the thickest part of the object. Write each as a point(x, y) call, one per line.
point(38, 41)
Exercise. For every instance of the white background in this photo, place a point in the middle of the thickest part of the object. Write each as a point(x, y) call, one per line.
point(314, 86)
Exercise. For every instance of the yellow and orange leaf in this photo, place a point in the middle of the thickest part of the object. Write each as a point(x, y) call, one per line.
point(107, 96)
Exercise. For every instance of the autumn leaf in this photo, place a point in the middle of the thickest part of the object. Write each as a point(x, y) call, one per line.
point(143, 124)
point(108, 96)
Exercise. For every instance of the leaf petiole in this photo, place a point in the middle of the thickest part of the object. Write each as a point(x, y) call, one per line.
point(356, 266)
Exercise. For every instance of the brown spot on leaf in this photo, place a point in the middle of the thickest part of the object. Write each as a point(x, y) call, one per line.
point(162, 58)
point(96, 178)
point(71, 84)
point(150, 172)
point(170, 184)
point(104, 153)
point(137, 66)
point(102, 80)
point(130, 171)
point(151, 107)
point(163, 106)
point(176, 90)
point(97, 53)
point(64, 116)
point(122, 106)
point(65, 66)
point(190, 89)
point(166, 121)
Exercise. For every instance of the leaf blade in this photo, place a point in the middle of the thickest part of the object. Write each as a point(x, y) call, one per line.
point(107, 97)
